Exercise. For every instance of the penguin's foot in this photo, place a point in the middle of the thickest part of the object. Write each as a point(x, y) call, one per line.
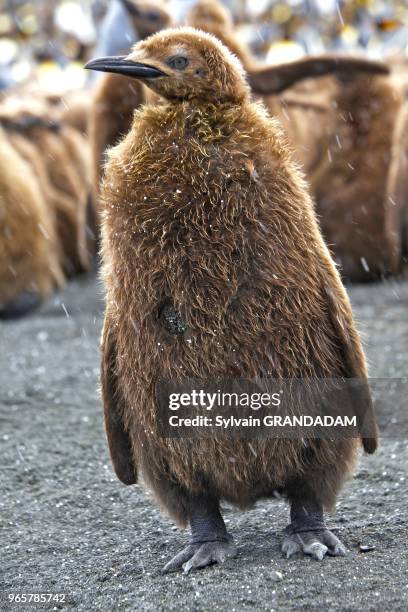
point(307, 533)
point(197, 556)
point(210, 542)
point(314, 542)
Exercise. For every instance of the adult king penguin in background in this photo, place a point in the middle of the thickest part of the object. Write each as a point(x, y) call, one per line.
point(215, 267)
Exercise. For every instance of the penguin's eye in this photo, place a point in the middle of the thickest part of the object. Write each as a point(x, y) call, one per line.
point(178, 62)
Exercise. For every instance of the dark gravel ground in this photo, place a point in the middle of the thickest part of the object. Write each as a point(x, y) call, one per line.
point(67, 525)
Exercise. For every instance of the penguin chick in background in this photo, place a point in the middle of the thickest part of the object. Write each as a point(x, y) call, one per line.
point(29, 265)
point(213, 17)
point(215, 267)
point(270, 80)
point(116, 98)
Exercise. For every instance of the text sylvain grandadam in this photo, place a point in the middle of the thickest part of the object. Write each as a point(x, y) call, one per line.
point(266, 421)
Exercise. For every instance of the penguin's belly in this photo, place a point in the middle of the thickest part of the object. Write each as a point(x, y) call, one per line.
point(240, 470)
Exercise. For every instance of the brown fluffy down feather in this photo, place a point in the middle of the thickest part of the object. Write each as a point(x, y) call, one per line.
point(28, 246)
point(202, 205)
point(60, 156)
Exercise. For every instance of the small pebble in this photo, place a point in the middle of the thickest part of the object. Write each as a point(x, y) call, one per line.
point(366, 548)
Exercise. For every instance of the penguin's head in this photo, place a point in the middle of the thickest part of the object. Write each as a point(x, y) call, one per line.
point(147, 16)
point(182, 64)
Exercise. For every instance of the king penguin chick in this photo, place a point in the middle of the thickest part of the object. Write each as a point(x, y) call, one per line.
point(116, 98)
point(213, 17)
point(59, 156)
point(215, 267)
point(29, 266)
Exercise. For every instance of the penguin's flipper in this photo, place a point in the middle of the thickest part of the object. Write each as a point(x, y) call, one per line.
point(270, 80)
point(120, 446)
point(340, 314)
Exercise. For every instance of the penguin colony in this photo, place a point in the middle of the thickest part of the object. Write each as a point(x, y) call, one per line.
point(205, 215)
point(330, 121)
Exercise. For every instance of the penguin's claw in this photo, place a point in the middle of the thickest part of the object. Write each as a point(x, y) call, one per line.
point(315, 543)
point(209, 553)
point(197, 556)
point(180, 558)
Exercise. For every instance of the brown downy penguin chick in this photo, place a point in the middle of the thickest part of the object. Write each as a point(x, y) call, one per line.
point(60, 156)
point(397, 188)
point(351, 182)
point(351, 149)
point(206, 221)
point(117, 97)
point(68, 218)
point(29, 266)
point(348, 131)
point(212, 17)
point(73, 108)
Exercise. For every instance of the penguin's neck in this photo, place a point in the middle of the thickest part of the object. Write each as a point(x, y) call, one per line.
point(199, 118)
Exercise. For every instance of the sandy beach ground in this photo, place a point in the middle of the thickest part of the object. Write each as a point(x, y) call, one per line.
point(67, 525)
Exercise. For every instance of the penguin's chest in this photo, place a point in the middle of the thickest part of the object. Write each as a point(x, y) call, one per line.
point(188, 255)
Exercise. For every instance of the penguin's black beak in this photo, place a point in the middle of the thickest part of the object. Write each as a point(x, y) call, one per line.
point(121, 65)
